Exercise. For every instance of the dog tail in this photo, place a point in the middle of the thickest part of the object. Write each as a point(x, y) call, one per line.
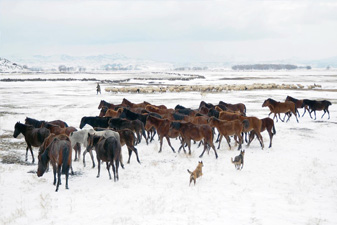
point(232, 160)
point(189, 171)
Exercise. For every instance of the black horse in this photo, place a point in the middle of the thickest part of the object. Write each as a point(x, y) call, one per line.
point(33, 136)
point(95, 121)
point(317, 106)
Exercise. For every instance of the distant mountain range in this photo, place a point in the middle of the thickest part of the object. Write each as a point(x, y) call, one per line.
point(115, 62)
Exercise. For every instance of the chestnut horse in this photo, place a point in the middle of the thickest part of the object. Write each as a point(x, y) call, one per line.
point(254, 123)
point(163, 129)
point(189, 131)
point(280, 107)
point(317, 106)
point(108, 150)
point(33, 136)
point(58, 153)
point(267, 124)
point(228, 128)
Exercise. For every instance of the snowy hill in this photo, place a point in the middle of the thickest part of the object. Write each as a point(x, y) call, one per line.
point(9, 67)
point(90, 63)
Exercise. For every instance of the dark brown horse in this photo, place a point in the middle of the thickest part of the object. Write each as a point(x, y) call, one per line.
point(58, 153)
point(314, 106)
point(134, 105)
point(108, 150)
point(298, 104)
point(108, 105)
point(190, 131)
point(33, 136)
point(267, 124)
point(280, 107)
point(40, 123)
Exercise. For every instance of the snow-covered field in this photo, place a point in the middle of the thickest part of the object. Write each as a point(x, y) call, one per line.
point(294, 182)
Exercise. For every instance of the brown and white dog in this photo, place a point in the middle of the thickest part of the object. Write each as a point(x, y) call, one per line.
point(196, 173)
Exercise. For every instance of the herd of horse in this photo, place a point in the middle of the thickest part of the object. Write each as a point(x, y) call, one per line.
point(128, 123)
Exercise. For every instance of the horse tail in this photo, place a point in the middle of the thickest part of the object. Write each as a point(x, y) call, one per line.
point(245, 124)
point(274, 130)
point(65, 157)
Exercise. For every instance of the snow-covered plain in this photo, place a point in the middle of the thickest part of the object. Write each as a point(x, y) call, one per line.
point(294, 182)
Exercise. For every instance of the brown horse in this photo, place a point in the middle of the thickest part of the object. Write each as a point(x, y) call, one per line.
point(162, 112)
point(134, 105)
point(108, 105)
point(267, 124)
point(33, 136)
point(254, 123)
point(190, 131)
point(128, 138)
point(58, 153)
point(234, 107)
point(298, 104)
point(55, 129)
point(108, 150)
point(163, 129)
point(113, 113)
point(280, 107)
point(228, 128)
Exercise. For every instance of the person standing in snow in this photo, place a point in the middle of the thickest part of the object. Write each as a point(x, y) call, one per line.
point(98, 89)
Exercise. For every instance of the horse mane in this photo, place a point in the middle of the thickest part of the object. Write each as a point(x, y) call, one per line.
point(272, 101)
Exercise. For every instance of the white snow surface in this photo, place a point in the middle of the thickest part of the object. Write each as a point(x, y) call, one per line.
point(294, 182)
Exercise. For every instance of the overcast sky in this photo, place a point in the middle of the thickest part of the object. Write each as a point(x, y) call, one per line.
point(172, 31)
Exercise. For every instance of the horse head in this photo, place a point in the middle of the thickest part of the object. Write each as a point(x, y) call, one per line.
point(17, 129)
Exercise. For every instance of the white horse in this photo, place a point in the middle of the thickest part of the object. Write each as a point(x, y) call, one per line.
point(81, 136)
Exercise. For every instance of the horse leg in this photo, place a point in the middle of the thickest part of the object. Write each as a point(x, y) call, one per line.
point(323, 114)
point(270, 137)
point(130, 153)
point(240, 141)
point(259, 136)
point(114, 170)
point(108, 168)
point(169, 142)
point(58, 177)
point(315, 114)
point(210, 143)
point(328, 113)
point(92, 159)
point(217, 139)
point(161, 142)
point(279, 115)
point(31, 152)
point(228, 142)
point(98, 167)
point(136, 152)
point(251, 137)
point(117, 165)
point(220, 141)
